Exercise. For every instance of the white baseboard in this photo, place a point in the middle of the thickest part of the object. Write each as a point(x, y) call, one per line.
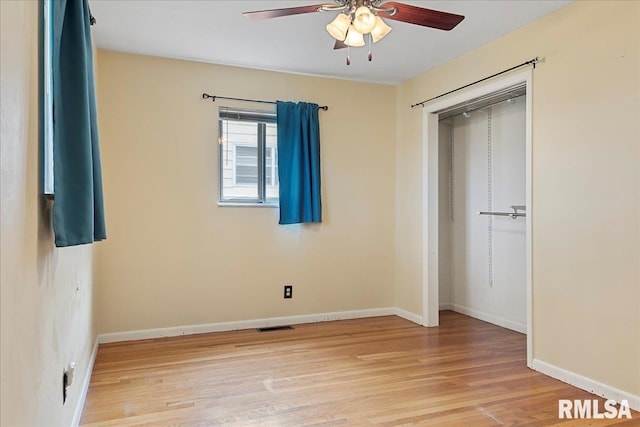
point(407, 315)
point(250, 324)
point(444, 306)
point(77, 413)
point(505, 323)
point(587, 384)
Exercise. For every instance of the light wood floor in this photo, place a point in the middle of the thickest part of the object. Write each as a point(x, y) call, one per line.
point(382, 371)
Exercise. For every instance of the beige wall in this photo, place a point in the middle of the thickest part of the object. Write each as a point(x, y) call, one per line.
point(46, 293)
point(174, 257)
point(586, 183)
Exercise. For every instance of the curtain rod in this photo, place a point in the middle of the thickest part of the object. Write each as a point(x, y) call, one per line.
point(533, 61)
point(214, 97)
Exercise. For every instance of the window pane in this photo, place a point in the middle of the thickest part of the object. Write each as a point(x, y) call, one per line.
point(47, 118)
point(269, 166)
point(271, 162)
point(246, 165)
point(239, 160)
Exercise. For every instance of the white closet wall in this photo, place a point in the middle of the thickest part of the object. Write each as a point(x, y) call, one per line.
point(483, 272)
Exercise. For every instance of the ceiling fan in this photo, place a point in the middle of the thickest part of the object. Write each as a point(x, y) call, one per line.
point(360, 18)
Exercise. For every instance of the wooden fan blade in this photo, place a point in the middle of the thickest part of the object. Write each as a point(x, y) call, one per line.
point(421, 16)
point(275, 13)
point(339, 45)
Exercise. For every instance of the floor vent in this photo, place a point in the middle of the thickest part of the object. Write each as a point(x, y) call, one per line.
point(275, 328)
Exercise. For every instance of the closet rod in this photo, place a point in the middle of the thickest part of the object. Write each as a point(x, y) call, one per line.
point(214, 97)
point(513, 215)
point(533, 62)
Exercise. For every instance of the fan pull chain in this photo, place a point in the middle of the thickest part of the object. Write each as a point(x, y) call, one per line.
point(490, 197)
point(348, 55)
point(370, 54)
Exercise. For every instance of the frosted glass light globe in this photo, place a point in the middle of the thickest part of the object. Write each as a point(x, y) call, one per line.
point(364, 20)
point(354, 37)
point(339, 26)
point(380, 30)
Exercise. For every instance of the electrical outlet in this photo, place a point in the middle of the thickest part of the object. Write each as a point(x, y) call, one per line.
point(288, 291)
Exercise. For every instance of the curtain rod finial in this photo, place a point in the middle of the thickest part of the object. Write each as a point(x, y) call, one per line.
point(207, 96)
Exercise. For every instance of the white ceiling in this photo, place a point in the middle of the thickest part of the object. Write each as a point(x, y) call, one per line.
point(216, 32)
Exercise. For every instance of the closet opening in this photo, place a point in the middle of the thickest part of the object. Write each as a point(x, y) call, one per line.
point(477, 205)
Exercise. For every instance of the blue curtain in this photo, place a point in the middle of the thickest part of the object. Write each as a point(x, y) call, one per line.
point(299, 162)
point(78, 210)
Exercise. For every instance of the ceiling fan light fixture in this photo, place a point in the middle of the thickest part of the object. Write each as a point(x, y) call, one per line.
point(338, 27)
point(354, 38)
point(359, 18)
point(364, 20)
point(380, 30)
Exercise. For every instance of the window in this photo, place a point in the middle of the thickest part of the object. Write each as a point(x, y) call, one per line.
point(47, 98)
point(248, 157)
